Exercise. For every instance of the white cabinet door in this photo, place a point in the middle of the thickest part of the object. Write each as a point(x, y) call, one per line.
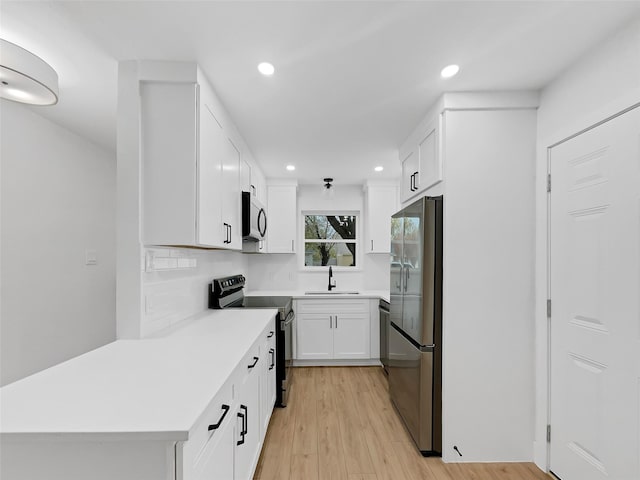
point(230, 196)
point(428, 158)
point(282, 218)
point(212, 148)
point(245, 176)
point(268, 383)
point(314, 336)
point(248, 431)
point(351, 337)
point(216, 461)
point(381, 203)
point(410, 174)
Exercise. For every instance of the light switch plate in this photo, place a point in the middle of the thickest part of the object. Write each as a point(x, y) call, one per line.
point(91, 257)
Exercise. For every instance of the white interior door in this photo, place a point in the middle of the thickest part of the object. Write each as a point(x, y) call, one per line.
point(595, 290)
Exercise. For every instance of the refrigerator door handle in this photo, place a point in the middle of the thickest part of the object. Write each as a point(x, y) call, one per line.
point(406, 278)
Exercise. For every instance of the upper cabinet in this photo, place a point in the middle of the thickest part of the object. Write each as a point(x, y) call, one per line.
point(421, 162)
point(252, 180)
point(282, 215)
point(381, 201)
point(191, 168)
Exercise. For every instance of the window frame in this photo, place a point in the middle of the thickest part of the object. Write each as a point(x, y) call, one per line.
point(357, 241)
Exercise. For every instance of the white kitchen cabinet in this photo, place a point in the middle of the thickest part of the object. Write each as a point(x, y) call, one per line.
point(381, 202)
point(421, 162)
point(268, 383)
point(190, 168)
point(332, 329)
point(282, 216)
point(211, 445)
point(245, 175)
point(248, 423)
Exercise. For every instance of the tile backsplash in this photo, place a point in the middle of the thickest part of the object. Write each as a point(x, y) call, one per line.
point(176, 282)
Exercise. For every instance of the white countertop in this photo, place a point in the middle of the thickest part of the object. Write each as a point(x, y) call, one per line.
point(297, 294)
point(153, 389)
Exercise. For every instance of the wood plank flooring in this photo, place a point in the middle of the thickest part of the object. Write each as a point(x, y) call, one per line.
point(341, 425)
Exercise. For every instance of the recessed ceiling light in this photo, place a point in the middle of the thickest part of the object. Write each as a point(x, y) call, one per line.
point(266, 69)
point(449, 71)
point(379, 169)
point(291, 168)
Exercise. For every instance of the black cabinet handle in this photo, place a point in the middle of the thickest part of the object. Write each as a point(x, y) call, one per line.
point(255, 362)
point(270, 334)
point(273, 356)
point(245, 420)
point(226, 233)
point(415, 175)
point(411, 182)
point(231, 227)
point(214, 426)
point(242, 432)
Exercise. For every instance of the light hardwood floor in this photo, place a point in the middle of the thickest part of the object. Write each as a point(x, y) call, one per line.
point(340, 425)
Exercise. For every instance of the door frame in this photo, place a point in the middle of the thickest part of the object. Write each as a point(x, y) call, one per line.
point(549, 252)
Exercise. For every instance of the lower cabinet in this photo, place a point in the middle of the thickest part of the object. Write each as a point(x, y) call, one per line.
point(224, 444)
point(248, 422)
point(268, 386)
point(333, 329)
point(227, 442)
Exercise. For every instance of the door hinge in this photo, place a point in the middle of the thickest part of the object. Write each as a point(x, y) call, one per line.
point(549, 182)
point(548, 433)
point(548, 308)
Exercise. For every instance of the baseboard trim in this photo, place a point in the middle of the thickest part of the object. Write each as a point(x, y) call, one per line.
point(364, 362)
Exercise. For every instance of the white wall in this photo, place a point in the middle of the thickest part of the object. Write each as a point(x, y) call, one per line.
point(597, 86)
point(285, 272)
point(488, 269)
point(58, 200)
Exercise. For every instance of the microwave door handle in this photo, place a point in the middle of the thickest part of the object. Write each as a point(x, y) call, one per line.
point(262, 215)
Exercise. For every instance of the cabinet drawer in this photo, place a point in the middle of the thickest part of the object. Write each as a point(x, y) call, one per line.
point(251, 363)
point(218, 415)
point(333, 306)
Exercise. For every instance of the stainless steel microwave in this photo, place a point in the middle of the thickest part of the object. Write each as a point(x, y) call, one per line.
point(254, 219)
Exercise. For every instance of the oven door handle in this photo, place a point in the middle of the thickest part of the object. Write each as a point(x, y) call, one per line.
point(288, 321)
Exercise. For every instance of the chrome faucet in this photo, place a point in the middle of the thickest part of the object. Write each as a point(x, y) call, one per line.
point(332, 282)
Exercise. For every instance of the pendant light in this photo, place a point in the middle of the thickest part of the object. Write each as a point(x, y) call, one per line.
point(25, 77)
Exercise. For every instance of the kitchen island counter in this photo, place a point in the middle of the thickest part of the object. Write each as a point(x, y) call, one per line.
point(154, 389)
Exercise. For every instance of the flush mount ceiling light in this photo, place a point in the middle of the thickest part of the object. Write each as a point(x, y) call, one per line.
point(379, 168)
point(449, 71)
point(26, 78)
point(266, 69)
point(291, 168)
point(327, 183)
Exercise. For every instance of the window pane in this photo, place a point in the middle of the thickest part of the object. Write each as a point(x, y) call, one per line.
point(330, 227)
point(330, 253)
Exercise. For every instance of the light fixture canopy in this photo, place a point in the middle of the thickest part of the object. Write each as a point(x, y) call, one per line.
point(25, 77)
point(267, 69)
point(327, 183)
point(449, 71)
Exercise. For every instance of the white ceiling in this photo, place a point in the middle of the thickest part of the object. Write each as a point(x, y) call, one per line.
point(352, 78)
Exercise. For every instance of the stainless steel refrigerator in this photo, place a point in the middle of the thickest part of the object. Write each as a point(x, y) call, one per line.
point(415, 333)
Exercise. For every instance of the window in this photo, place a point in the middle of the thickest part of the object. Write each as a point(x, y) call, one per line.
point(330, 239)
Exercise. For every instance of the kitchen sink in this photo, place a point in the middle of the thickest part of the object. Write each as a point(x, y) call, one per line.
point(332, 292)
